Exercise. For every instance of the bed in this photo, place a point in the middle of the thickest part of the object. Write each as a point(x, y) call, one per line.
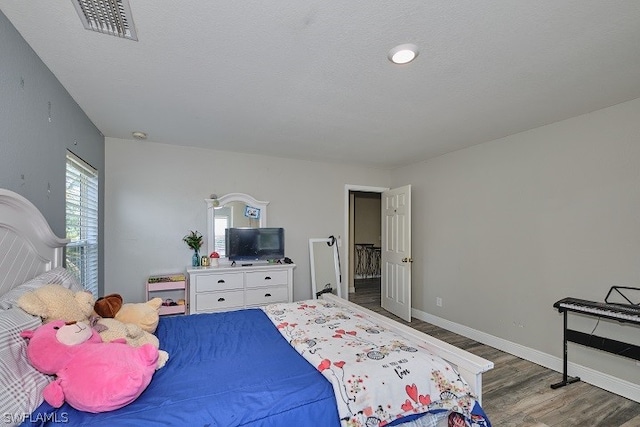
point(302, 363)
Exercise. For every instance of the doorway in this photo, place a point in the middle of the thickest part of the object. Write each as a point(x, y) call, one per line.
point(387, 255)
point(369, 198)
point(366, 246)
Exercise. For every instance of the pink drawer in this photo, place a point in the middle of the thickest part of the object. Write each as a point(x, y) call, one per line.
point(171, 309)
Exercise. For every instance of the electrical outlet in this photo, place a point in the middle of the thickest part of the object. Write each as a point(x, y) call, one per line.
point(439, 301)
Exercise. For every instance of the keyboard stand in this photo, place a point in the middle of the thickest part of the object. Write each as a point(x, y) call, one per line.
point(589, 340)
point(566, 380)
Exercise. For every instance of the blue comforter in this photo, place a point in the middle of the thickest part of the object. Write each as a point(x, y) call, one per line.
point(224, 369)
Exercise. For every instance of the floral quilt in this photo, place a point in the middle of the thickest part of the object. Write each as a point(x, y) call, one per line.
point(377, 375)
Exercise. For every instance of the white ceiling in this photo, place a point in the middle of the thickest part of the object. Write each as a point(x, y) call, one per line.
point(310, 79)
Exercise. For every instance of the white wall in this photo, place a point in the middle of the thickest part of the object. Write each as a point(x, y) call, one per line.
point(155, 194)
point(504, 229)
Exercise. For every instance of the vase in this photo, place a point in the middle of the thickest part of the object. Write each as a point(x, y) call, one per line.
point(195, 259)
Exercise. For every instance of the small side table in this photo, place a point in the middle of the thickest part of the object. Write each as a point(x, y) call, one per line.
point(173, 282)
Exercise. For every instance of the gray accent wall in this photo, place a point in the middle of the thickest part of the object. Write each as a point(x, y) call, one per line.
point(39, 121)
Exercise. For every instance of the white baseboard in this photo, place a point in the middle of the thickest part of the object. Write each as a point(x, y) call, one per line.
point(607, 382)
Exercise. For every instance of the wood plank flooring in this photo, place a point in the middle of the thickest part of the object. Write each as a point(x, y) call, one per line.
point(516, 392)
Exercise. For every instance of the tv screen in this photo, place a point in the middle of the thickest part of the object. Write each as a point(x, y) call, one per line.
point(254, 244)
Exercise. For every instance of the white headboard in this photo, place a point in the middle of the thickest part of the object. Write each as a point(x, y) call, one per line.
point(28, 247)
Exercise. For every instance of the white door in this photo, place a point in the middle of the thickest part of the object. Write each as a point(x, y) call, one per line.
point(396, 252)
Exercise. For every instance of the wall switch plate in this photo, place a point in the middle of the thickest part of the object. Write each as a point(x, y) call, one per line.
point(439, 301)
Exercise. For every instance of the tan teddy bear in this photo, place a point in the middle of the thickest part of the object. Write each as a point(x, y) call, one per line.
point(55, 302)
point(144, 314)
point(135, 322)
point(112, 329)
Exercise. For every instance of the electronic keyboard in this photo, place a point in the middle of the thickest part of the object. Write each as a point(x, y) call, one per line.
point(620, 312)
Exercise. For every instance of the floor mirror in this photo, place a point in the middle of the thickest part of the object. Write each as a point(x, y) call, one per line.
point(325, 266)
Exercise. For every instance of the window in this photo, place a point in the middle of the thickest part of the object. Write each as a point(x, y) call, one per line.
point(81, 256)
point(221, 223)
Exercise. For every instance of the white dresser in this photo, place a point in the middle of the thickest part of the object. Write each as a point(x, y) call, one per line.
point(230, 288)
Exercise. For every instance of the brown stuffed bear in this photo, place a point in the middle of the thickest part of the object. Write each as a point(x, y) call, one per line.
point(107, 306)
point(144, 314)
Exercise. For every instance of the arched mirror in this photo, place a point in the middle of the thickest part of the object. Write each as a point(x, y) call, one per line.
point(232, 210)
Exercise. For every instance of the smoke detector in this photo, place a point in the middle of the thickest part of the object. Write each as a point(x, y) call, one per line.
point(139, 135)
point(107, 16)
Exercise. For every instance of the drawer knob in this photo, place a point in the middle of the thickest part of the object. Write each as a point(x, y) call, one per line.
point(267, 295)
point(220, 299)
point(267, 278)
point(221, 281)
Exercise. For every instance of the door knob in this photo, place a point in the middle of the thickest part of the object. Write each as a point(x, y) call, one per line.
point(407, 259)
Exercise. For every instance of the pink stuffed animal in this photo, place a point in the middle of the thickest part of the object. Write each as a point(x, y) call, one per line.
point(92, 375)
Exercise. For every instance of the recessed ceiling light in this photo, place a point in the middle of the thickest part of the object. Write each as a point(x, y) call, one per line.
point(139, 135)
point(403, 54)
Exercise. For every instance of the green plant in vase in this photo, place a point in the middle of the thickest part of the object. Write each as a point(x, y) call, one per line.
point(194, 241)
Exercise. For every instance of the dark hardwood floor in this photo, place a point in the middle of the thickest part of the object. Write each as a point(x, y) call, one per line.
point(516, 392)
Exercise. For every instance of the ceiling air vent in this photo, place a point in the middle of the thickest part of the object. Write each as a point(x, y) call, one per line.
point(107, 16)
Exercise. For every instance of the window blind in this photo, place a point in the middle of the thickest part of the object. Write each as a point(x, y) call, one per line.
point(81, 255)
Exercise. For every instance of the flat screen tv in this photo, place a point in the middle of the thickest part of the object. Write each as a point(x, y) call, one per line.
point(254, 244)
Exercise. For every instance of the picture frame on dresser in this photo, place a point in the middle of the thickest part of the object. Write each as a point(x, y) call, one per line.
point(251, 212)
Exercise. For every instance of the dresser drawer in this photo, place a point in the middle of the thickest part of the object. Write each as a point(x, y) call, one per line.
point(218, 282)
point(216, 301)
point(266, 278)
point(262, 296)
